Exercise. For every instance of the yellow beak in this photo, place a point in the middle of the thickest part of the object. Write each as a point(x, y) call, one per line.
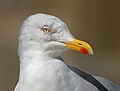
point(79, 45)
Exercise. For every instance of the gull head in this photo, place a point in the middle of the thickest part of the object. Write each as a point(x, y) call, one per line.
point(49, 35)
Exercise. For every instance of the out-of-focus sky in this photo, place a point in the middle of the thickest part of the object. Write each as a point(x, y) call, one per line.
point(96, 21)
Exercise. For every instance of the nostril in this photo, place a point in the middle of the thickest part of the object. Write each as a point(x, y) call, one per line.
point(80, 44)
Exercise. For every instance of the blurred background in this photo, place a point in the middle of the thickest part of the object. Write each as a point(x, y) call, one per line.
point(95, 21)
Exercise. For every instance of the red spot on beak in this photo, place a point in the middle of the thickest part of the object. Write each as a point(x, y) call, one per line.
point(84, 51)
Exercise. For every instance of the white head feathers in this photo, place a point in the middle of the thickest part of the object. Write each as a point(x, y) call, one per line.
point(33, 38)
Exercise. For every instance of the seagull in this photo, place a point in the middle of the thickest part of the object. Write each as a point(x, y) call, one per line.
point(42, 40)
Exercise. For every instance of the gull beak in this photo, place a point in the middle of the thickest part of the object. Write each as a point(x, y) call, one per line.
point(81, 46)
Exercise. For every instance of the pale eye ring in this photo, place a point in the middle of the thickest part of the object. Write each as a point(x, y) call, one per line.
point(46, 30)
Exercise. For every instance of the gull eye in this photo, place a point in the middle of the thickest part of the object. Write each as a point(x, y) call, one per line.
point(46, 30)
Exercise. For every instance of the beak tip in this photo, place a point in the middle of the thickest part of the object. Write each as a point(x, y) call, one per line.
point(91, 52)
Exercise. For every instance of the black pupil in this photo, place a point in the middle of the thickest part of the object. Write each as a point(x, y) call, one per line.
point(45, 29)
